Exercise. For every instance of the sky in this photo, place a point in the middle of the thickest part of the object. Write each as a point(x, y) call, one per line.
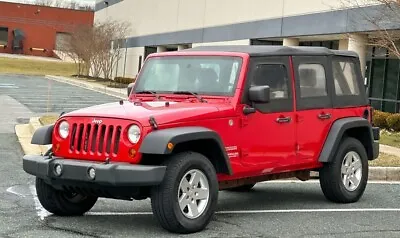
point(84, 2)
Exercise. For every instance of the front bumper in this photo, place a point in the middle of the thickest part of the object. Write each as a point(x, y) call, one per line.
point(110, 175)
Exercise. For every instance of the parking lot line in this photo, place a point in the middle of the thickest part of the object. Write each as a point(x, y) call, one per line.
point(317, 181)
point(259, 211)
point(41, 212)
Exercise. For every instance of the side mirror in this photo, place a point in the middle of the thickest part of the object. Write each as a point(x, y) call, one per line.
point(259, 94)
point(130, 87)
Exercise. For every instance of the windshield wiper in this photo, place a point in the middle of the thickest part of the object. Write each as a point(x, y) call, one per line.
point(148, 92)
point(191, 93)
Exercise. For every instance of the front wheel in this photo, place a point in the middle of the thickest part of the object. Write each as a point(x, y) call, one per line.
point(186, 199)
point(63, 203)
point(344, 179)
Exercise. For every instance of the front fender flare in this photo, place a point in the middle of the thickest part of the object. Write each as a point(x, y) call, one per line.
point(156, 142)
point(43, 135)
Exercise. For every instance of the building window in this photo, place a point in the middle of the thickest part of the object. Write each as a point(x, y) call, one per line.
point(3, 36)
point(264, 42)
point(149, 50)
point(333, 45)
point(383, 80)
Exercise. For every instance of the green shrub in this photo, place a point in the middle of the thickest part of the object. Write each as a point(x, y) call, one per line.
point(124, 80)
point(379, 119)
point(393, 122)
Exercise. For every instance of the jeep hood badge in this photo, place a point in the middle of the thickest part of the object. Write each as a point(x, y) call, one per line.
point(98, 122)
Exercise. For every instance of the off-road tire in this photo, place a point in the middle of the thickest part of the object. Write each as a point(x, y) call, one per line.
point(243, 188)
point(164, 197)
point(331, 177)
point(55, 201)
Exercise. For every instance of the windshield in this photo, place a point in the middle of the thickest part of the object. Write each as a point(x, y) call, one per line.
point(207, 75)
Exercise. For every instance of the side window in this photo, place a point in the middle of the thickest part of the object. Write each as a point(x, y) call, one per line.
point(345, 78)
point(275, 76)
point(312, 79)
point(314, 83)
point(3, 36)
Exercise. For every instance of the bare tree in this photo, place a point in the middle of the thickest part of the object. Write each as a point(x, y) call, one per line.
point(48, 3)
point(382, 16)
point(73, 5)
point(112, 43)
point(58, 3)
point(86, 7)
point(96, 49)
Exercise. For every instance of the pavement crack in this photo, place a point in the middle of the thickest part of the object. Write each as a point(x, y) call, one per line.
point(254, 233)
point(48, 224)
point(350, 232)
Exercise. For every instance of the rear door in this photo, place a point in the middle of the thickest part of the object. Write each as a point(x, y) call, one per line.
point(313, 104)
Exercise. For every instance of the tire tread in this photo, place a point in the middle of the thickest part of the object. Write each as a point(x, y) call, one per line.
point(331, 185)
point(161, 194)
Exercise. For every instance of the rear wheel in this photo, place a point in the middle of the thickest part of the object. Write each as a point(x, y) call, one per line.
point(344, 179)
point(63, 203)
point(186, 199)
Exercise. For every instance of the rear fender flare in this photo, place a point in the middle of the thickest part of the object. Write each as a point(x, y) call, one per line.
point(336, 133)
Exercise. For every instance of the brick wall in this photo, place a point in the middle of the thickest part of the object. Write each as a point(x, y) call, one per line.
point(40, 25)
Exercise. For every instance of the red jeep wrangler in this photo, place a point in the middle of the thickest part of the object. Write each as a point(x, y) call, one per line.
point(213, 118)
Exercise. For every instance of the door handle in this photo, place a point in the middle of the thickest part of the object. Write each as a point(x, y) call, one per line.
point(324, 116)
point(283, 119)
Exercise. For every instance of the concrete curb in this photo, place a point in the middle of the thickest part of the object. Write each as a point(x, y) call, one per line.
point(91, 86)
point(390, 150)
point(25, 132)
point(384, 173)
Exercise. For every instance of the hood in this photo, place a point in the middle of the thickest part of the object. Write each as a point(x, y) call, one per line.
point(175, 112)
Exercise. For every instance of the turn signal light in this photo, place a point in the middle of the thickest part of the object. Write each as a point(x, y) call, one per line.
point(57, 147)
point(131, 153)
point(170, 146)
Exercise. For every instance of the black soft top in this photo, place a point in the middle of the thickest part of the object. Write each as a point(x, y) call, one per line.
point(268, 50)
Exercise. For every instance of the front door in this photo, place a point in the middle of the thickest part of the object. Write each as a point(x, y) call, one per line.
point(313, 103)
point(268, 140)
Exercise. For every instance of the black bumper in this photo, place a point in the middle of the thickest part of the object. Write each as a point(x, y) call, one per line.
point(375, 145)
point(110, 175)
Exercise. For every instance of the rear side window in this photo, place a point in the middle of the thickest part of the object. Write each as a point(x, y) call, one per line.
point(345, 78)
point(312, 80)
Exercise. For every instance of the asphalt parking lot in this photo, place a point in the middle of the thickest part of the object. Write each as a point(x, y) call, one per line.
point(43, 95)
point(273, 209)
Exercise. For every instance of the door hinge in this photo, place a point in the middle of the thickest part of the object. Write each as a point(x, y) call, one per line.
point(244, 153)
point(244, 121)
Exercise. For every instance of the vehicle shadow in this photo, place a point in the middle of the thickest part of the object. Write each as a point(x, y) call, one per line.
point(112, 218)
point(275, 197)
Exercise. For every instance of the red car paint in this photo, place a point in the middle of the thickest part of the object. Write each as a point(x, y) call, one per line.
point(256, 144)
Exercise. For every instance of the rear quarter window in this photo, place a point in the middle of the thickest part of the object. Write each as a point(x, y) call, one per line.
point(345, 78)
point(348, 83)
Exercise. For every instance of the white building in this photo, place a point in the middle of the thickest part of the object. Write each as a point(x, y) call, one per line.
point(167, 25)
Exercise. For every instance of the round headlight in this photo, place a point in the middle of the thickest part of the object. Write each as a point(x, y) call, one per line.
point(134, 134)
point(63, 129)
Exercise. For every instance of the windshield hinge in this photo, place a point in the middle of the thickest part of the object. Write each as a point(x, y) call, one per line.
point(153, 122)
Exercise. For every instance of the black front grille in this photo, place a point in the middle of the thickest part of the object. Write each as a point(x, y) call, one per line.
point(93, 138)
